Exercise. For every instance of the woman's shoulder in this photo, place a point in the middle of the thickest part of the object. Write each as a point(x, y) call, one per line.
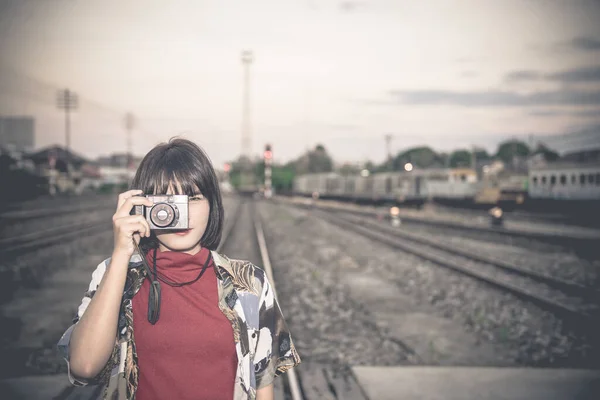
point(242, 271)
point(134, 261)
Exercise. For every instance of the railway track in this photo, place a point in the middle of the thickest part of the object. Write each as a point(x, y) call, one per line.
point(242, 218)
point(585, 243)
point(308, 381)
point(13, 246)
point(23, 215)
point(571, 302)
point(572, 288)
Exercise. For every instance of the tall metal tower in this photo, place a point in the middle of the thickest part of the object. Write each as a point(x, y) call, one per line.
point(67, 100)
point(388, 149)
point(247, 58)
point(129, 124)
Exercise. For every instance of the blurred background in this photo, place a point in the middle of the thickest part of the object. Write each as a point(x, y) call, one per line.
point(457, 132)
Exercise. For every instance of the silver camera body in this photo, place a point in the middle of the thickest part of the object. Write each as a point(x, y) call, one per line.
point(168, 211)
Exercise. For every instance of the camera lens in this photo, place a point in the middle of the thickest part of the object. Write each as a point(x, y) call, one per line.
point(162, 215)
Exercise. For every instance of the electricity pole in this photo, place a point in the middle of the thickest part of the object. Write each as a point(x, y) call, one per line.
point(247, 178)
point(67, 100)
point(388, 140)
point(247, 59)
point(129, 124)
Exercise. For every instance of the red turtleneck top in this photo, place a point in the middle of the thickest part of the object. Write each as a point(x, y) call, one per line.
point(190, 352)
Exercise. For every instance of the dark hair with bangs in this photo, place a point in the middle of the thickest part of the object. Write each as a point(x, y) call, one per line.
point(184, 162)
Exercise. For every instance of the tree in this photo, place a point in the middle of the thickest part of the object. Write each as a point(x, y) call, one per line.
point(547, 153)
point(421, 157)
point(317, 160)
point(508, 150)
point(348, 169)
point(482, 154)
point(460, 158)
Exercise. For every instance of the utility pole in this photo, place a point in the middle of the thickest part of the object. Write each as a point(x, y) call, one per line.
point(247, 175)
point(129, 124)
point(247, 59)
point(474, 161)
point(67, 100)
point(531, 143)
point(388, 141)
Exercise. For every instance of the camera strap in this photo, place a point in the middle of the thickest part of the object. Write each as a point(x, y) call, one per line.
point(154, 295)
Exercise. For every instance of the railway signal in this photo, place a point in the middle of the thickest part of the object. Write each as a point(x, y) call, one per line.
point(395, 216)
point(496, 217)
point(268, 156)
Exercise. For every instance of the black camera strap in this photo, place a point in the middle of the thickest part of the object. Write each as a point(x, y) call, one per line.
point(154, 295)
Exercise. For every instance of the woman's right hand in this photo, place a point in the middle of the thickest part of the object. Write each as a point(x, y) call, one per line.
point(127, 227)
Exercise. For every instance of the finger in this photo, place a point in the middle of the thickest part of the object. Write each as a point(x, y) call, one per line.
point(147, 227)
point(143, 229)
point(137, 238)
point(128, 204)
point(125, 195)
point(131, 227)
point(131, 223)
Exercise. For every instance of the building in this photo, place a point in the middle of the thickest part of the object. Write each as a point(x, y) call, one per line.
point(17, 133)
point(119, 160)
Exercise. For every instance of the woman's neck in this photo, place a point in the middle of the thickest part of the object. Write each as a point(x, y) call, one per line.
point(191, 251)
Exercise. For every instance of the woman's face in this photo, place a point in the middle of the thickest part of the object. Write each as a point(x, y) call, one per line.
point(187, 241)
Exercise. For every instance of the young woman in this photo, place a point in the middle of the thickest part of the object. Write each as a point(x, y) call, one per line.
point(166, 316)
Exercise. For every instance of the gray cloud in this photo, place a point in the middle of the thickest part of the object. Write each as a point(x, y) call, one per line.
point(584, 74)
point(523, 75)
point(585, 43)
point(497, 98)
point(546, 113)
point(560, 113)
point(576, 75)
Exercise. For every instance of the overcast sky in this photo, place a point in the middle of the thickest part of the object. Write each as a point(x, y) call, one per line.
point(443, 73)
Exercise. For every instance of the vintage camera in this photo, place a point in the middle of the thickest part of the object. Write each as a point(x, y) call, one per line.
point(168, 211)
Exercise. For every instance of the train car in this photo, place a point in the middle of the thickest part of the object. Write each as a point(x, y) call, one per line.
point(452, 185)
point(384, 186)
point(326, 185)
point(388, 187)
point(410, 188)
point(513, 191)
point(565, 187)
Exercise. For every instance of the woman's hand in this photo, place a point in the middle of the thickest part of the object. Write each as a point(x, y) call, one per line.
point(126, 226)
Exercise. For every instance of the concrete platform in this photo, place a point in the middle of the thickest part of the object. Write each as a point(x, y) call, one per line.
point(468, 383)
point(55, 387)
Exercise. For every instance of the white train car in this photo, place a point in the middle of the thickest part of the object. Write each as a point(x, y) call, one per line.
point(322, 183)
point(410, 187)
point(384, 186)
point(300, 185)
point(363, 189)
point(388, 187)
point(572, 182)
point(452, 184)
